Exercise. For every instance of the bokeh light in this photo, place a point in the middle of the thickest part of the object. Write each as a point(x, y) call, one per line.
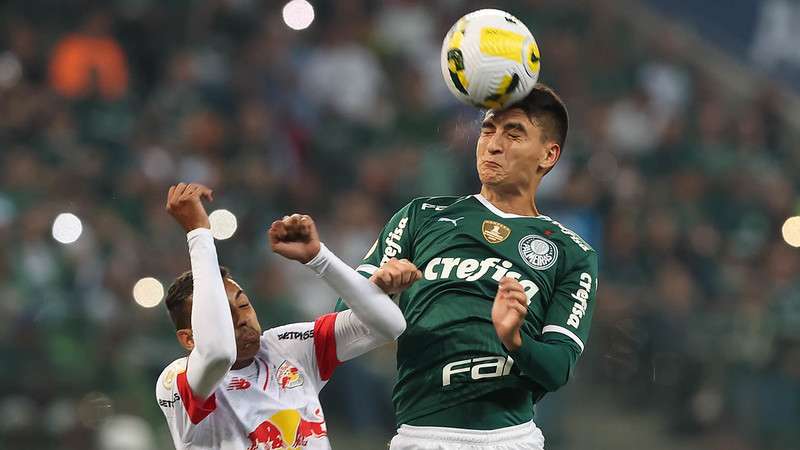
point(223, 224)
point(67, 228)
point(298, 14)
point(791, 231)
point(148, 292)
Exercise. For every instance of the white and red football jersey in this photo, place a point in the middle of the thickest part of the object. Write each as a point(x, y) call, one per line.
point(271, 404)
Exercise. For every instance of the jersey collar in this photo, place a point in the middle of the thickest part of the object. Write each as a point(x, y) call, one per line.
point(497, 211)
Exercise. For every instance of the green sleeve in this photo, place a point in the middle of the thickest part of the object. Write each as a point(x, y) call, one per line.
point(549, 359)
point(394, 241)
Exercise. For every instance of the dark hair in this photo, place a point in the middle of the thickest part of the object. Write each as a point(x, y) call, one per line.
point(178, 296)
point(546, 109)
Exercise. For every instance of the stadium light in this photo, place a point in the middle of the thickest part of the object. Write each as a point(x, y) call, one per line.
point(67, 228)
point(148, 292)
point(298, 14)
point(791, 231)
point(223, 224)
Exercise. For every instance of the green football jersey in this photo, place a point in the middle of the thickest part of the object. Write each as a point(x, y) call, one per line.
point(450, 352)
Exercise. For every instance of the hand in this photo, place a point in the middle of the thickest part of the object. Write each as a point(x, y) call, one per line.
point(508, 312)
point(295, 237)
point(395, 276)
point(184, 203)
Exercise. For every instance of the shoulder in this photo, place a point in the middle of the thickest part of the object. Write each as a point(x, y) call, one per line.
point(427, 206)
point(300, 331)
point(166, 381)
point(566, 239)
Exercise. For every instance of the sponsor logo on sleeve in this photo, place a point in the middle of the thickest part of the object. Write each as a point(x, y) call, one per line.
point(581, 297)
point(539, 253)
point(169, 403)
point(495, 232)
point(392, 241)
point(298, 335)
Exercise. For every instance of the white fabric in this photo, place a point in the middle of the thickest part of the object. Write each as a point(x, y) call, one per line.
point(526, 436)
point(382, 320)
point(212, 326)
point(565, 332)
point(271, 403)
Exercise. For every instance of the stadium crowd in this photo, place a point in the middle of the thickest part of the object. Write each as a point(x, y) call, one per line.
point(681, 187)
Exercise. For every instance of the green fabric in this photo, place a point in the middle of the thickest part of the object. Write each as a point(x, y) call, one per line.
point(450, 354)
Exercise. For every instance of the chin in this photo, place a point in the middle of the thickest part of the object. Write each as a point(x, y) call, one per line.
point(249, 351)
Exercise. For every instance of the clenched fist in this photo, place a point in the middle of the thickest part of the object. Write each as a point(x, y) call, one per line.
point(295, 237)
point(508, 312)
point(396, 276)
point(184, 203)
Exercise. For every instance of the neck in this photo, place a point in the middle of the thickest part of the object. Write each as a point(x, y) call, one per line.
point(511, 201)
point(242, 363)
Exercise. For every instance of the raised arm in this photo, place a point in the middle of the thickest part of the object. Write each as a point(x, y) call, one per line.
point(211, 338)
point(548, 359)
point(373, 318)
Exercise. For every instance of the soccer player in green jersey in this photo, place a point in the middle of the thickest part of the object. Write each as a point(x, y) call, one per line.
point(505, 303)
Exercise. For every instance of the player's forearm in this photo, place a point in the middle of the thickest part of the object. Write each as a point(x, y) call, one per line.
point(212, 326)
point(368, 302)
point(549, 364)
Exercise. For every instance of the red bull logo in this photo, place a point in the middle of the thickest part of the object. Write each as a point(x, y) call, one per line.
point(286, 430)
point(288, 376)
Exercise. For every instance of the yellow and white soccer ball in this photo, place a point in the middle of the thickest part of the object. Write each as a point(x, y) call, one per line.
point(490, 59)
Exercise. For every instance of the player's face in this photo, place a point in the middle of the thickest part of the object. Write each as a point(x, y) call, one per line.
point(245, 321)
point(511, 152)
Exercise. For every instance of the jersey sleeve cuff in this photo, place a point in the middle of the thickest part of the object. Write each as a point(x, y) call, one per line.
point(565, 332)
point(196, 408)
point(325, 345)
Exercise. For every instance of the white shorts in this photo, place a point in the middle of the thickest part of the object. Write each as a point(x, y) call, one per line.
point(526, 436)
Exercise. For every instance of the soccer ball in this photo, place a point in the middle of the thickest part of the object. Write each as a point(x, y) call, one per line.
point(490, 59)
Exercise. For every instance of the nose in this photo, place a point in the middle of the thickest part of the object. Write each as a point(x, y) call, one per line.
point(495, 144)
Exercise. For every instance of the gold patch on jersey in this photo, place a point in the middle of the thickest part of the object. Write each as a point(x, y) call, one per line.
point(495, 232)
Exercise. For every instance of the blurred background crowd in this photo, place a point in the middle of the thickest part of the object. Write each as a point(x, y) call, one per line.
point(681, 181)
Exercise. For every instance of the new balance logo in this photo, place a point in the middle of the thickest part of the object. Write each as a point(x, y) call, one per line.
point(238, 384)
point(453, 221)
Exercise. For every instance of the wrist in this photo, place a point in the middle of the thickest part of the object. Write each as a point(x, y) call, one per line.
point(513, 342)
point(319, 261)
point(198, 231)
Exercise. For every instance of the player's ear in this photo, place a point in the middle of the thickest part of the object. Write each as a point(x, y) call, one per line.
point(185, 338)
point(552, 153)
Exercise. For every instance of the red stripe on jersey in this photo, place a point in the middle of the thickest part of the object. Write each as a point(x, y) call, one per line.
point(325, 345)
point(195, 407)
point(266, 373)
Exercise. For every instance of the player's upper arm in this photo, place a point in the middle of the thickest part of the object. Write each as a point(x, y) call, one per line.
point(570, 312)
point(354, 338)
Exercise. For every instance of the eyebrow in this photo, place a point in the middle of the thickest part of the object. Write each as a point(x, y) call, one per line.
point(514, 126)
point(236, 297)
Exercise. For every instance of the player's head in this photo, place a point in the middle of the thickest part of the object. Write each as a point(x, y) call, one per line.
point(245, 320)
point(518, 145)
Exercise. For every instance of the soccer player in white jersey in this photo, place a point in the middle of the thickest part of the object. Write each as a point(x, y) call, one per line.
point(244, 390)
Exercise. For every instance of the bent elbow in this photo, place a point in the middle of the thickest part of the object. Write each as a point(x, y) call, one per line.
point(221, 357)
point(554, 381)
point(398, 328)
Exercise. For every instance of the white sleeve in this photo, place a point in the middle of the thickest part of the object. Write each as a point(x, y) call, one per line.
point(212, 326)
point(373, 318)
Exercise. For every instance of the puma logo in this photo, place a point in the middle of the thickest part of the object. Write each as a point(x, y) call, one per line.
point(453, 221)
